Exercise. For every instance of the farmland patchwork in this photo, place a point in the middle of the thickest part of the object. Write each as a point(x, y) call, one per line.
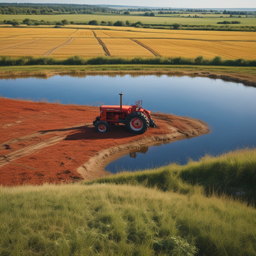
point(66, 42)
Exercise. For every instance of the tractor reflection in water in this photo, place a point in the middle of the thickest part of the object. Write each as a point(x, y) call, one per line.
point(136, 119)
point(142, 150)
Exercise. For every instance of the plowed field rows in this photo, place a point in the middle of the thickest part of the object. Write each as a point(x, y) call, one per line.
point(66, 42)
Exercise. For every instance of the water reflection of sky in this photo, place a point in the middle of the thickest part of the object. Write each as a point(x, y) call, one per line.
point(227, 107)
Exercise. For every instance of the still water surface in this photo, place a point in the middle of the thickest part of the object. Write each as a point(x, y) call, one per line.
point(228, 108)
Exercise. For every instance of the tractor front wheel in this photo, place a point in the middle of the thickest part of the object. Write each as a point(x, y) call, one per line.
point(101, 126)
point(137, 122)
point(97, 119)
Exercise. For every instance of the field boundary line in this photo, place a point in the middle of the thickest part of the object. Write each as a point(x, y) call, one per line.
point(30, 42)
point(146, 47)
point(102, 44)
point(58, 47)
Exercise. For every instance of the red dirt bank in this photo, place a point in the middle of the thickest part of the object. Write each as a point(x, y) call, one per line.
point(47, 143)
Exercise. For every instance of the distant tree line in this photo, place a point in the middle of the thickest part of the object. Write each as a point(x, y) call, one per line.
point(31, 22)
point(149, 14)
point(235, 12)
point(50, 9)
point(138, 24)
point(200, 10)
point(76, 60)
point(218, 12)
point(229, 22)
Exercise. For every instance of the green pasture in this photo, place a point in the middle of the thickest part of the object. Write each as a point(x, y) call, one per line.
point(146, 20)
point(162, 211)
point(44, 69)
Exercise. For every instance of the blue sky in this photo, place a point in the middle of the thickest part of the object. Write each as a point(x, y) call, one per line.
point(156, 3)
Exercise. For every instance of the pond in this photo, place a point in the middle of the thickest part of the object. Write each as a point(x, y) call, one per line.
point(229, 109)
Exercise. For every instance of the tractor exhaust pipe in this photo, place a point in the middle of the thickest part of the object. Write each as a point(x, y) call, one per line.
point(121, 100)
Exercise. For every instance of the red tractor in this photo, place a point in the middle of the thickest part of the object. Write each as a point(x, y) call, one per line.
point(135, 118)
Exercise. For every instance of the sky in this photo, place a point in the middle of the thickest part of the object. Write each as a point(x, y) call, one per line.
point(154, 3)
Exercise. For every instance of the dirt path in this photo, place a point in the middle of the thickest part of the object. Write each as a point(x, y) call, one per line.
point(46, 143)
point(25, 151)
point(57, 48)
point(146, 47)
point(102, 44)
point(73, 33)
point(28, 150)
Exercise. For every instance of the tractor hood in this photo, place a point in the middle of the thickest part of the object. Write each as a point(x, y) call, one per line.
point(115, 108)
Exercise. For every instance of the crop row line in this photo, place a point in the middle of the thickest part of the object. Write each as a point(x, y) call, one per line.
point(102, 44)
point(147, 47)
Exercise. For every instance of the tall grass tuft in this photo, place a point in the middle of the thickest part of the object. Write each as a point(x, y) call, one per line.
point(233, 173)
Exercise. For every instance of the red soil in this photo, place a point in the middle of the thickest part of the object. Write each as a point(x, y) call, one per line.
point(59, 161)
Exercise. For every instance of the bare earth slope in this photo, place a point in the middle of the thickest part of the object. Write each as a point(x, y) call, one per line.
point(54, 143)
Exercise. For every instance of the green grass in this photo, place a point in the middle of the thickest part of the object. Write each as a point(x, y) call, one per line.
point(242, 72)
point(155, 212)
point(102, 60)
point(67, 68)
point(229, 173)
point(121, 220)
point(146, 20)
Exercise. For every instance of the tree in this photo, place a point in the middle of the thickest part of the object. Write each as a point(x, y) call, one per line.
point(127, 13)
point(65, 22)
point(119, 23)
point(25, 21)
point(15, 23)
point(93, 22)
point(127, 23)
point(151, 14)
point(176, 26)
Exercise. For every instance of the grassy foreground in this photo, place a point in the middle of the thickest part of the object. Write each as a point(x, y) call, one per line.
point(138, 219)
point(233, 174)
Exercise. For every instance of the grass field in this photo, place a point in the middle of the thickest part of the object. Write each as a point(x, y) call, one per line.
point(208, 20)
point(138, 219)
point(70, 41)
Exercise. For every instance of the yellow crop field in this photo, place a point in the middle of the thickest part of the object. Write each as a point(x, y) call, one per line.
point(83, 33)
point(6, 43)
point(34, 32)
point(125, 48)
point(164, 33)
point(85, 47)
point(208, 49)
point(38, 47)
point(100, 33)
point(87, 41)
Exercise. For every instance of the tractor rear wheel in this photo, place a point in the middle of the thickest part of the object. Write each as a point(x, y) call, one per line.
point(137, 122)
point(101, 126)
